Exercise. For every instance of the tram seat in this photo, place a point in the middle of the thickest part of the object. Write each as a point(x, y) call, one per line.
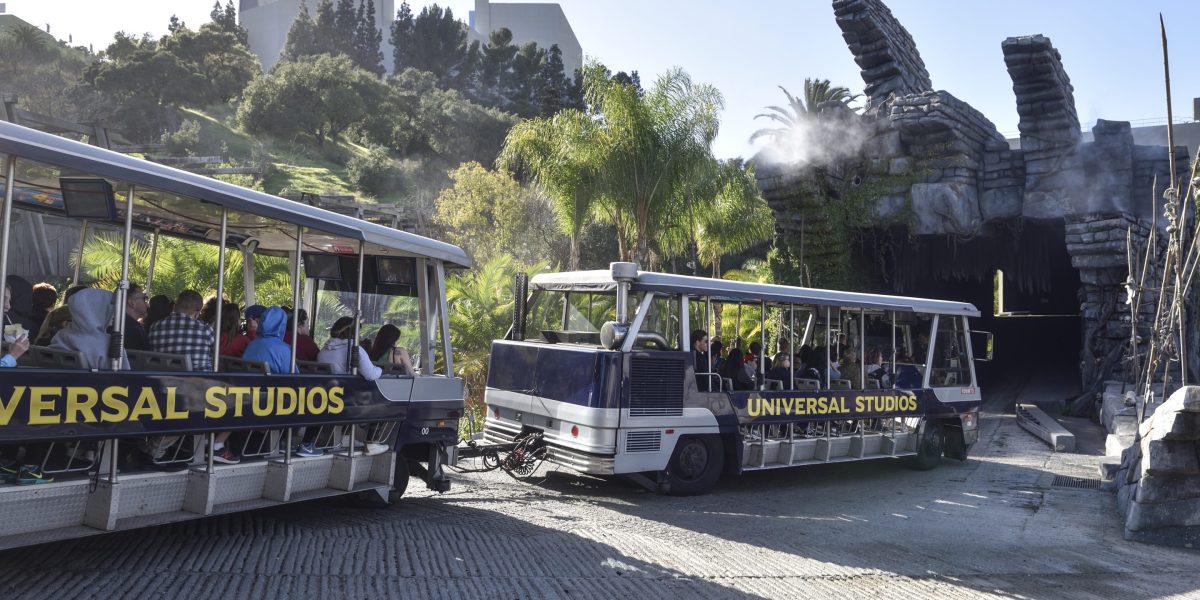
point(314, 367)
point(839, 384)
point(772, 384)
point(141, 360)
point(873, 383)
point(241, 365)
point(392, 370)
point(726, 384)
point(807, 384)
point(55, 358)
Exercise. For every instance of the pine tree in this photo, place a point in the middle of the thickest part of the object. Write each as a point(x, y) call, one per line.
point(401, 37)
point(226, 20)
point(325, 32)
point(367, 40)
point(346, 20)
point(552, 84)
point(301, 37)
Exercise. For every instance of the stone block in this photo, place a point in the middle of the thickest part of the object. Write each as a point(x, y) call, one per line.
point(945, 208)
point(1155, 489)
point(1175, 426)
point(1000, 203)
point(1179, 513)
point(1168, 457)
point(900, 165)
point(891, 206)
point(1115, 444)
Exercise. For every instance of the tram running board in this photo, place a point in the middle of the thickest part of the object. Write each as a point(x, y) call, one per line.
point(776, 454)
point(71, 508)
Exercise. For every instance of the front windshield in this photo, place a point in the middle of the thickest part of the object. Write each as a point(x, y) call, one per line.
point(578, 313)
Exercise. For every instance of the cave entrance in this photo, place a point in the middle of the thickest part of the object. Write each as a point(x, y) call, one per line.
point(1019, 274)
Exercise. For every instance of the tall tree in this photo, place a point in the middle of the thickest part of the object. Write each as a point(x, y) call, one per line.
point(636, 150)
point(401, 38)
point(345, 20)
point(439, 45)
point(367, 40)
point(226, 20)
point(553, 87)
point(325, 30)
point(302, 36)
point(801, 108)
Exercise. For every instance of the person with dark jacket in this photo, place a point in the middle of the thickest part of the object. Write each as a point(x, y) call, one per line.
point(136, 305)
point(700, 352)
point(268, 345)
point(20, 302)
point(735, 369)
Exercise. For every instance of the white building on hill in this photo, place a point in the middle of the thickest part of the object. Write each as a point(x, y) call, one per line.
point(543, 23)
point(268, 22)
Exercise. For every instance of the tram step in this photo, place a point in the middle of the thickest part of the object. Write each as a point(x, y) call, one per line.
point(784, 453)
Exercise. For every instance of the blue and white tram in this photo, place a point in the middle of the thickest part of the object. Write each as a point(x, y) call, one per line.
point(602, 366)
point(79, 421)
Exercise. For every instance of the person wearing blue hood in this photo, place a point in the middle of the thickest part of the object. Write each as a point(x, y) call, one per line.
point(268, 345)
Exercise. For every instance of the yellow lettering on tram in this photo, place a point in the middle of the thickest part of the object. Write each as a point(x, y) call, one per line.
point(7, 408)
point(114, 397)
point(146, 405)
point(41, 405)
point(172, 410)
point(239, 394)
point(214, 403)
point(81, 405)
point(286, 400)
point(335, 400)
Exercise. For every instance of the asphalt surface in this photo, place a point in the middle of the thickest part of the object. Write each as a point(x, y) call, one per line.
point(993, 526)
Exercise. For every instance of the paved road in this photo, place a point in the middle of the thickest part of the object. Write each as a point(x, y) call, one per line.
point(993, 526)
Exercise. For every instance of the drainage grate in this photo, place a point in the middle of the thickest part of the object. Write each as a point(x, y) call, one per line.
point(1076, 482)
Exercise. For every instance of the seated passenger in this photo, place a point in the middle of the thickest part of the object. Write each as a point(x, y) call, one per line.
point(268, 345)
point(14, 350)
point(160, 306)
point(55, 322)
point(19, 303)
point(91, 314)
point(306, 348)
point(336, 352)
point(735, 369)
point(136, 304)
point(182, 333)
point(45, 297)
point(781, 370)
point(718, 354)
point(254, 314)
point(384, 351)
point(850, 368)
point(231, 326)
point(701, 354)
point(876, 368)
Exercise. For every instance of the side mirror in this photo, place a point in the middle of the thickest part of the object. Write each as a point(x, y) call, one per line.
point(981, 345)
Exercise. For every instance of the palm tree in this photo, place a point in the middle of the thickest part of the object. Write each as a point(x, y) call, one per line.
point(626, 158)
point(799, 110)
point(28, 39)
point(557, 153)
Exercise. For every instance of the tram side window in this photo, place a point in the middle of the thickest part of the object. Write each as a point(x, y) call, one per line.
point(950, 366)
point(662, 318)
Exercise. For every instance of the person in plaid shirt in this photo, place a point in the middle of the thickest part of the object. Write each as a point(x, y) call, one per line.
point(182, 333)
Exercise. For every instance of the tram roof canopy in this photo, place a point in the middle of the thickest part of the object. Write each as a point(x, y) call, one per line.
point(166, 194)
point(741, 291)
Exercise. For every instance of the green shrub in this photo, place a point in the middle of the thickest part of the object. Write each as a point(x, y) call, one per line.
point(375, 174)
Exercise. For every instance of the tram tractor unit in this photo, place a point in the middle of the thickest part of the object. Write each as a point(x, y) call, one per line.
point(599, 373)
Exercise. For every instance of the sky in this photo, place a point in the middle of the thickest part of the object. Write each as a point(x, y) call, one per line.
point(1111, 49)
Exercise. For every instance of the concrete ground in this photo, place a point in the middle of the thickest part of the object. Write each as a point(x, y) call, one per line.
point(991, 527)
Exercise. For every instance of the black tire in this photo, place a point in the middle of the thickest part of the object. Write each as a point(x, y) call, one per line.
point(930, 447)
point(401, 481)
point(695, 465)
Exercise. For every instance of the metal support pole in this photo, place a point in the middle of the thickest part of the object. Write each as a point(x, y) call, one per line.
point(893, 371)
point(828, 368)
point(353, 435)
point(352, 353)
point(212, 440)
point(112, 460)
point(220, 286)
point(792, 345)
point(154, 261)
point(83, 233)
point(296, 294)
point(762, 330)
point(122, 286)
point(862, 348)
point(439, 272)
point(10, 177)
point(426, 349)
point(287, 449)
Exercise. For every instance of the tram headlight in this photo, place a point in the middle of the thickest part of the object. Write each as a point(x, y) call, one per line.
point(970, 421)
point(612, 334)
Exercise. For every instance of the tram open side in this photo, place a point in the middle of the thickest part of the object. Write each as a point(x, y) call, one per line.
point(48, 406)
point(602, 368)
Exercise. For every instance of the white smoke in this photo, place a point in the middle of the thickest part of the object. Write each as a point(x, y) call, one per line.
point(831, 135)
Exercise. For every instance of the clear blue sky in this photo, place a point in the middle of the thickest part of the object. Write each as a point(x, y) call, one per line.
point(1111, 49)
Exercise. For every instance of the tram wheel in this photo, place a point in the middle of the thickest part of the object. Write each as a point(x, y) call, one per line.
point(695, 466)
point(400, 484)
point(930, 448)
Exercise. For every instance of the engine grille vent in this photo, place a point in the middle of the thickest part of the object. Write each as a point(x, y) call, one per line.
point(656, 387)
point(643, 441)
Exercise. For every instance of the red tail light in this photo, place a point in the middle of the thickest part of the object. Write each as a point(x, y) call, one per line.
point(574, 431)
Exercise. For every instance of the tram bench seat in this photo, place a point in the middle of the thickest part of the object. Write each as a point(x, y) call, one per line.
point(726, 384)
point(52, 358)
point(807, 384)
point(241, 365)
point(141, 360)
point(312, 366)
point(772, 384)
point(839, 384)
